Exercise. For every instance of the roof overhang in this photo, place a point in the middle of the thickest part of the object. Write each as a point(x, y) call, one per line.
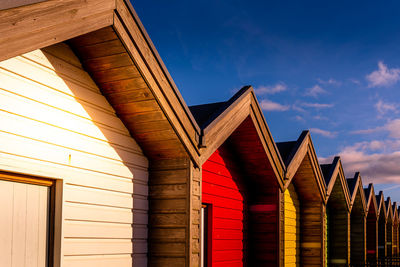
point(242, 108)
point(358, 191)
point(43, 23)
point(336, 172)
point(304, 148)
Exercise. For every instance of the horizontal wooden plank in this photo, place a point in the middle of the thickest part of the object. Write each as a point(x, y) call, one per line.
point(65, 139)
point(14, 144)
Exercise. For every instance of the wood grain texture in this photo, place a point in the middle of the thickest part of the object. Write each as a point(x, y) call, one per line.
point(104, 170)
point(51, 22)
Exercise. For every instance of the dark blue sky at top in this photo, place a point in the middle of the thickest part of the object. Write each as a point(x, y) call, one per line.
point(213, 48)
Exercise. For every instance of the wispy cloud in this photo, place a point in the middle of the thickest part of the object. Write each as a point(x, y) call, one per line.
point(355, 81)
point(375, 167)
point(384, 108)
point(323, 132)
point(269, 105)
point(315, 91)
point(330, 81)
point(383, 76)
point(317, 105)
point(277, 88)
point(392, 127)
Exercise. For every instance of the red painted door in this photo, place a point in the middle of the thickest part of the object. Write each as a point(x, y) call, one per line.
point(223, 192)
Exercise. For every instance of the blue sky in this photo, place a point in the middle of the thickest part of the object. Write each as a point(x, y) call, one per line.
point(329, 66)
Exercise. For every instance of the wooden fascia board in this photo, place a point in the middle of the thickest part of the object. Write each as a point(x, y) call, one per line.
point(46, 23)
point(373, 199)
point(27, 28)
point(294, 164)
point(162, 65)
point(246, 105)
point(216, 133)
point(395, 213)
point(317, 169)
point(164, 90)
point(269, 145)
point(356, 189)
point(273, 152)
point(338, 173)
point(306, 147)
point(389, 210)
point(362, 195)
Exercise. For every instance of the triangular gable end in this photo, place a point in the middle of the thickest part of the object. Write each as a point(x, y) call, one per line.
point(356, 189)
point(241, 122)
point(113, 46)
point(332, 182)
point(302, 155)
point(371, 199)
point(389, 210)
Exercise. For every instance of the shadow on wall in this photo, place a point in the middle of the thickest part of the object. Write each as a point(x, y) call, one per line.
point(120, 225)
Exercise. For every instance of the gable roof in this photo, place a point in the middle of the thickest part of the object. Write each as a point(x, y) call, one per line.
point(137, 85)
point(241, 121)
point(301, 154)
point(333, 172)
point(389, 210)
point(395, 212)
point(380, 201)
point(356, 188)
point(370, 198)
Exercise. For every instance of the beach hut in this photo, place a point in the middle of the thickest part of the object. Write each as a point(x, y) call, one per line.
point(337, 214)
point(303, 204)
point(395, 241)
point(372, 223)
point(358, 227)
point(99, 154)
point(382, 246)
point(242, 177)
point(389, 227)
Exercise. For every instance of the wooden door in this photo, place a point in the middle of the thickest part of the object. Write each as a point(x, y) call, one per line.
point(24, 224)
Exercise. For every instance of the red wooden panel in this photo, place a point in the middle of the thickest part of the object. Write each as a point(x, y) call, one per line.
point(223, 188)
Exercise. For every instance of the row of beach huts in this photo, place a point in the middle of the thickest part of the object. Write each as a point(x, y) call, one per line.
point(103, 164)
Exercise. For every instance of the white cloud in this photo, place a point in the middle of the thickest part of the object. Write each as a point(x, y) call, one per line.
point(323, 132)
point(315, 91)
point(331, 81)
point(277, 88)
point(383, 107)
point(269, 105)
point(382, 167)
point(383, 76)
point(317, 105)
point(392, 127)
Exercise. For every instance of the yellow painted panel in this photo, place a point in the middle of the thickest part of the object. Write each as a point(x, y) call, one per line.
point(292, 227)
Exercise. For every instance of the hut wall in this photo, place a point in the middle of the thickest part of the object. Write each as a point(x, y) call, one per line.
point(339, 237)
point(223, 190)
point(395, 239)
point(311, 233)
point(292, 227)
point(264, 229)
point(55, 122)
point(372, 237)
point(389, 239)
point(381, 237)
point(174, 219)
point(358, 239)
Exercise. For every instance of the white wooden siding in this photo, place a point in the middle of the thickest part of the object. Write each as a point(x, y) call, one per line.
point(24, 214)
point(55, 122)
